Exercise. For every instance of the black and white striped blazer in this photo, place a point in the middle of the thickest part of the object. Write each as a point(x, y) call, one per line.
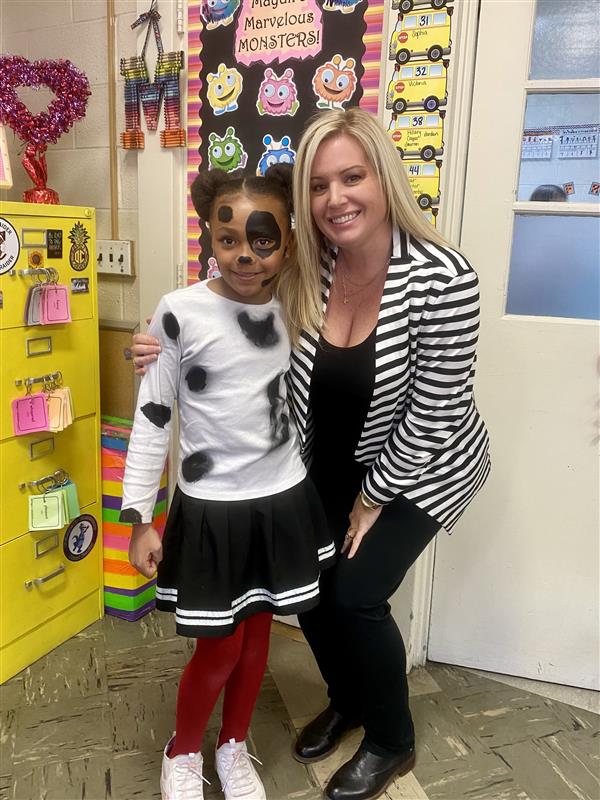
point(422, 436)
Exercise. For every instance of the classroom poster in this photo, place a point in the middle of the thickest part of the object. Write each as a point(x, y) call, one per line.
point(258, 70)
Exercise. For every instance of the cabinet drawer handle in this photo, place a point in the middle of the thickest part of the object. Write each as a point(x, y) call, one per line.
point(34, 346)
point(39, 581)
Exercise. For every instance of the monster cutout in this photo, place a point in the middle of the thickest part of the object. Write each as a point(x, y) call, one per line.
point(334, 82)
point(218, 12)
point(276, 153)
point(224, 88)
point(227, 152)
point(278, 96)
point(345, 6)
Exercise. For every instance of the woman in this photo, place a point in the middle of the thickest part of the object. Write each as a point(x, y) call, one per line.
point(383, 403)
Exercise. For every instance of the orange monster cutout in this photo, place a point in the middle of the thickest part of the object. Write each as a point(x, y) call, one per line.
point(334, 82)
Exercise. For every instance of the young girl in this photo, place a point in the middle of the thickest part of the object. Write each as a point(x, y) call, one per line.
point(246, 535)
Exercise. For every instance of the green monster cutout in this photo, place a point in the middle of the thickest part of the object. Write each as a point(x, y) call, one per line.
point(226, 153)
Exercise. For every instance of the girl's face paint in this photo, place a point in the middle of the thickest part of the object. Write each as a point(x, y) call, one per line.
point(224, 213)
point(250, 246)
point(263, 232)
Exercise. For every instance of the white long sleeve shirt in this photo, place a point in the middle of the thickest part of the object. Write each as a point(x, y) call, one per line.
point(225, 363)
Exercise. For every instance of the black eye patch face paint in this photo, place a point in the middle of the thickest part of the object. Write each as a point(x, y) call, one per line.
point(263, 225)
point(225, 214)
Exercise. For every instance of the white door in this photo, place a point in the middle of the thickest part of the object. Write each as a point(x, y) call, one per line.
point(515, 588)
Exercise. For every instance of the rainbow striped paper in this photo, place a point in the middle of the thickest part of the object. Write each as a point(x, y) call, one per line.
point(127, 594)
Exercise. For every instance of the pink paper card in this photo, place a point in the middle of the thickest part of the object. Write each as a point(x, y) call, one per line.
point(30, 414)
point(55, 412)
point(55, 305)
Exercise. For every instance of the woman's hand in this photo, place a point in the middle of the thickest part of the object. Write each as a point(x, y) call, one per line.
point(145, 350)
point(145, 549)
point(362, 520)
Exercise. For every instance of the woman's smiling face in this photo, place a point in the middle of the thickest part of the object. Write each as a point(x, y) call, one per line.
point(347, 202)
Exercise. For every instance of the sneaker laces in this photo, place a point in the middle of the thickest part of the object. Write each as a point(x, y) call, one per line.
point(181, 774)
point(241, 772)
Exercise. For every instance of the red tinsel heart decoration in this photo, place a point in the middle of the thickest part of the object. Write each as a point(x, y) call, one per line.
point(70, 86)
point(72, 90)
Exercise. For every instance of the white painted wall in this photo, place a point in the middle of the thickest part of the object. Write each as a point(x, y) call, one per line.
point(78, 165)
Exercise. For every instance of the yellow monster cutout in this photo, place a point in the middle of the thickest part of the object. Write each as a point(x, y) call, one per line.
point(224, 88)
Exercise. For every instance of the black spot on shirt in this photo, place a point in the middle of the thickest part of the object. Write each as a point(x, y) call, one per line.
point(131, 515)
point(280, 422)
point(196, 466)
point(261, 332)
point(196, 379)
point(158, 414)
point(170, 325)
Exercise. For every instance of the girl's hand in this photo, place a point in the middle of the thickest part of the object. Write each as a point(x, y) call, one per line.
point(145, 350)
point(145, 549)
point(362, 520)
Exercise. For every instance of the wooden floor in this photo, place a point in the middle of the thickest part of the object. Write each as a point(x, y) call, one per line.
point(90, 721)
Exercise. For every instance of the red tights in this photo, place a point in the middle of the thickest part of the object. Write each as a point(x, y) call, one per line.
point(237, 664)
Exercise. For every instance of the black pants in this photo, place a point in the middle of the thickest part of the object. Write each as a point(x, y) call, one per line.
point(355, 640)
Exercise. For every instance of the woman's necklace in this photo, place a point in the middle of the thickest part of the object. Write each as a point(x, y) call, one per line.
point(361, 287)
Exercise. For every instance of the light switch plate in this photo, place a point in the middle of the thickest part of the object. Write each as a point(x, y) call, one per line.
point(114, 257)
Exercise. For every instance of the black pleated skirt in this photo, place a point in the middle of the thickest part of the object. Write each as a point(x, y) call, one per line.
point(224, 561)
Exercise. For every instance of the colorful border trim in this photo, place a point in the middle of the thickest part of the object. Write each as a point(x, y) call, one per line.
point(372, 39)
point(194, 105)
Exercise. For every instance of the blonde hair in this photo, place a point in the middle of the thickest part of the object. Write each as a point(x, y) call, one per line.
point(302, 287)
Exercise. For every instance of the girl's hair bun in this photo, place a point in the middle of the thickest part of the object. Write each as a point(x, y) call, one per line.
point(208, 184)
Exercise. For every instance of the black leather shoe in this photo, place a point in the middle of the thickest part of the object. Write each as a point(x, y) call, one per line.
point(367, 776)
point(322, 736)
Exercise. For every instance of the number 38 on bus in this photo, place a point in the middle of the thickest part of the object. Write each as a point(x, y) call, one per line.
point(418, 135)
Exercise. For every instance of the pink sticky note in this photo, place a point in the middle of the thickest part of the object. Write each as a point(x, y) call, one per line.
point(55, 305)
point(30, 414)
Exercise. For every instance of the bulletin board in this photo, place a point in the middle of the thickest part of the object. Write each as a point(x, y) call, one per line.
point(258, 71)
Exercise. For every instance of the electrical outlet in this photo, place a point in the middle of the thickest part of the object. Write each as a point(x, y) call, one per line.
point(114, 257)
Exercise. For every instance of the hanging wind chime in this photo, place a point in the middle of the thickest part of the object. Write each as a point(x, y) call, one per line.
point(139, 90)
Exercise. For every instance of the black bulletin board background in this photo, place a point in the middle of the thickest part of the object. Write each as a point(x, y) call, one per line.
point(341, 33)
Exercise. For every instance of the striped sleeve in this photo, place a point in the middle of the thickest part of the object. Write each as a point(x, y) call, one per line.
point(441, 397)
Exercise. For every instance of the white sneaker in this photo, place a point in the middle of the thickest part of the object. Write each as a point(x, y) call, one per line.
point(181, 777)
point(236, 772)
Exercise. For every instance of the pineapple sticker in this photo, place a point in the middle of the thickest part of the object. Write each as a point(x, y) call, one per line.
point(79, 255)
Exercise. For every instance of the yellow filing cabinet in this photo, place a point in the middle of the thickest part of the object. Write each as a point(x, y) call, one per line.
point(50, 580)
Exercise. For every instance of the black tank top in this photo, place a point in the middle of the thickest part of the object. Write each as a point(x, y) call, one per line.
point(341, 389)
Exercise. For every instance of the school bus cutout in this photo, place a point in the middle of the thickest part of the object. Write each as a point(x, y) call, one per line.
point(417, 86)
point(421, 35)
point(424, 180)
point(406, 6)
point(418, 135)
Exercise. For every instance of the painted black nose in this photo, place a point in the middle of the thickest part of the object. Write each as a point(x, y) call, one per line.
point(244, 260)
